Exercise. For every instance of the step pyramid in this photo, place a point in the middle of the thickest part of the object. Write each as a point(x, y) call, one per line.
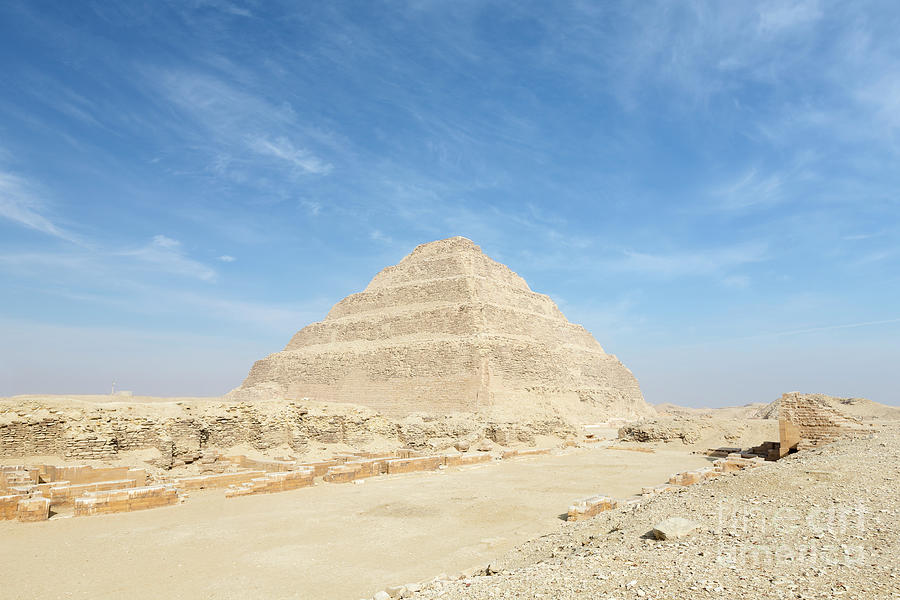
point(450, 330)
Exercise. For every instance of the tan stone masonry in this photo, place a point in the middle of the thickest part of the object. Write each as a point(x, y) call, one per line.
point(810, 420)
point(450, 330)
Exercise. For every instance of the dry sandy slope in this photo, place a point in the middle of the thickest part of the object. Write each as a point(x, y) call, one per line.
point(333, 541)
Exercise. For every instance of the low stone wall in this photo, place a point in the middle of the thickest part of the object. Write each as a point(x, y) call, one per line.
point(64, 495)
point(34, 508)
point(507, 454)
point(461, 460)
point(321, 467)
point(269, 466)
point(342, 473)
point(219, 480)
point(272, 482)
point(8, 506)
point(18, 475)
point(78, 474)
point(589, 507)
point(411, 465)
point(116, 501)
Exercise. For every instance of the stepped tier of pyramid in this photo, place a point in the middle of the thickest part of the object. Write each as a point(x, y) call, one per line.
point(450, 330)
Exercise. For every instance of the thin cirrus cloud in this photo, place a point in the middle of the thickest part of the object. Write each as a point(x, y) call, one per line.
point(283, 149)
point(683, 264)
point(21, 203)
point(167, 254)
point(235, 126)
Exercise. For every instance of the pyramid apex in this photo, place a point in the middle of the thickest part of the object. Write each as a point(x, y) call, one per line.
point(446, 246)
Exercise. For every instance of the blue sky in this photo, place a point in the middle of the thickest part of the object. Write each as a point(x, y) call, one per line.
point(711, 188)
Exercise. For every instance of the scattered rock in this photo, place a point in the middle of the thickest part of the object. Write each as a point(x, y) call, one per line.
point(674, 528)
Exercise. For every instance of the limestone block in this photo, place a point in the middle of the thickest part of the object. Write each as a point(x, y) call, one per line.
point(589, 507)
point(321, 467)
point(61, 494)
point(674, 528)
point(272, 483)
point(658, 489)
point(686, 478)
point(272, 466)
point(34, 508)
point(9, 505)
point(114, 501)
point(219, 480)
point(410, 465)
point(342, 473)
point(471, 459)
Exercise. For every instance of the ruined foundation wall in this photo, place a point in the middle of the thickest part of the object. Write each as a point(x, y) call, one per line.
point(810, 420)
point(180, 431)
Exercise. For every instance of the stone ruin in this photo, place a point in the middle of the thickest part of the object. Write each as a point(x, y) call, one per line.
point(450, 330)
point(811, 420)
point(804, 421)
point(35, 493)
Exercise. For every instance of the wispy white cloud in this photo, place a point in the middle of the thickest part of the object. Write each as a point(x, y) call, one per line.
point(751, 189)
point(378, 236)
point(862, 236)
point(227, 258)
point(283, 149)
point(679, 264)
point(21, 203)
point(168, 255)
point(240, 131)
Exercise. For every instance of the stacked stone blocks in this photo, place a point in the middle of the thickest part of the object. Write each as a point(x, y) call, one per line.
point(281, 481)
point(808, 421)
point(126, 500)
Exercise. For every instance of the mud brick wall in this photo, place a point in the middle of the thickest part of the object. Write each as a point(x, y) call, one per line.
point(808, 421)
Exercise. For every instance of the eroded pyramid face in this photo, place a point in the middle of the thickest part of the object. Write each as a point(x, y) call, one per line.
point(450, 330)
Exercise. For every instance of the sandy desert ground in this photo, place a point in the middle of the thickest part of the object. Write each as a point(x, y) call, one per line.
point(331, 541)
